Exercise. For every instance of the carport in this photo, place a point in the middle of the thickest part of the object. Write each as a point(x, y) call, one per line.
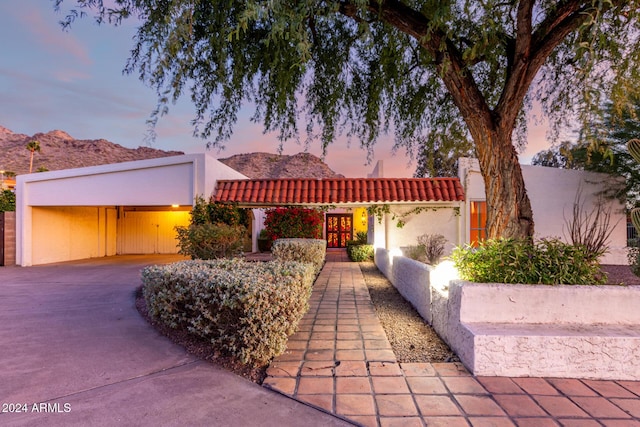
point(114, 209)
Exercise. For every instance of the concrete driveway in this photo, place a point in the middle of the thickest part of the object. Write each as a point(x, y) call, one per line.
point(74, 351)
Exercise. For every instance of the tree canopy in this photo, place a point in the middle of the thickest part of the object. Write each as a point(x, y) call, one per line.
point(414, 68)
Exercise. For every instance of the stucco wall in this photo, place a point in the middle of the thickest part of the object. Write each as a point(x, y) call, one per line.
point(552, 193)
point(409, 277)
point(70, 233)
point(444, 220)
point(149, 232)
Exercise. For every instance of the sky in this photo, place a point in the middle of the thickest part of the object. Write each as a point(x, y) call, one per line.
point(73, 81)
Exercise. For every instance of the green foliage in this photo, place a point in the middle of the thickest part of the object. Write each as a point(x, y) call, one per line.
point(547, 261)
point(310, 251)
point(294, 222)
point(367, 67)
point(362, 237)
point(359, 252)
point(204, 212)
point(633, 255)
point(245, 309)
point(7, 201)
point(439, 153)
point(211, 241)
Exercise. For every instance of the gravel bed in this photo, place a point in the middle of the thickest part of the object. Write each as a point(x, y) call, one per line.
point(411, 337)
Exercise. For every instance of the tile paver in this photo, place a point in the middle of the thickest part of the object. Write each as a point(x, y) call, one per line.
point(479, 405)
point(631, 406)
point(463, 385)
point(560, 406)
point(599, 407)
point(341, 362)
point(572, 387)
point(536, 422)
point(491, 422)
point(538, 386)
point(359, 385)
point(608, 388)
point(437, 405)
point(519, 405)
point(396, 405)
point(426, 385)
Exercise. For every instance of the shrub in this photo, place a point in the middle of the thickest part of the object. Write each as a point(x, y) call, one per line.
point(361, 237)
point(312, 251)
point(633, 255)
point(429, 249)
point(414, 252)
point(7, 201)
point(218, 213)
point(299, 223)
point(359, 252)
point(548, 261)
point(245, 309)
point(590, 229)
point(210, 241)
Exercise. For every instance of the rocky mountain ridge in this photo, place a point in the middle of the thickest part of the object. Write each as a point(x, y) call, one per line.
point(59, 150)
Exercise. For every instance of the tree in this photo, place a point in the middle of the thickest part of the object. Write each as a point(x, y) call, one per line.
point(33, 146)
point(7, 200)
point(367, 67)
point(439, 154)
point(611, 155)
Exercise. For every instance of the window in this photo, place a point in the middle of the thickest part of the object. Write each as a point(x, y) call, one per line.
point(478, 228)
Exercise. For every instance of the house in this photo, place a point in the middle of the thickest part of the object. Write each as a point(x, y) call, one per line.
point(133, 207)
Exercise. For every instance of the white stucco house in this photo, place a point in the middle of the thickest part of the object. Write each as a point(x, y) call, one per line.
point(133, 207)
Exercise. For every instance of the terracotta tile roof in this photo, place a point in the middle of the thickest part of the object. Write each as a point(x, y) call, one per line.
point(338, 190)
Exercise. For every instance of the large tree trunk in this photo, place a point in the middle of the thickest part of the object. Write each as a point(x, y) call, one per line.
point(509, 208)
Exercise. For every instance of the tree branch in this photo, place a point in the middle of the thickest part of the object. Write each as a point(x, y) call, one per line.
point(531, 49)
point(447, 58)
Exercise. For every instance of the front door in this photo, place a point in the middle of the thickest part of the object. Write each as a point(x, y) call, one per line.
point(339, 230)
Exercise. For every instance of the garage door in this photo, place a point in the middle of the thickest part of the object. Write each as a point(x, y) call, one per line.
point(149, 232)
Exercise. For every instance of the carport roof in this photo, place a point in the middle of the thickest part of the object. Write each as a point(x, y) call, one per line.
point(271, 192)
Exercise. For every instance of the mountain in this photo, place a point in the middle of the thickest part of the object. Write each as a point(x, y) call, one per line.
point(59, 150)
point(267, 165)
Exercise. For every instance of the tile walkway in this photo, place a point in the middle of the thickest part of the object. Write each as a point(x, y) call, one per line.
point(340, 361)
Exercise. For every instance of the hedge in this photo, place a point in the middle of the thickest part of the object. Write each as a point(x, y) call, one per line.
point(246, 309)
point(311, 251)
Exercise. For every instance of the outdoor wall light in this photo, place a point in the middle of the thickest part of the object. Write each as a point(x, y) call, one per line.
point(175, 206)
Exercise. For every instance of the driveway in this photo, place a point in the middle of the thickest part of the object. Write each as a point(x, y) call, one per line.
point(74, 351)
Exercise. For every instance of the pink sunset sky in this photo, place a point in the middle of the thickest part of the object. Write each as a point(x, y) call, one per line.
point(73, 81)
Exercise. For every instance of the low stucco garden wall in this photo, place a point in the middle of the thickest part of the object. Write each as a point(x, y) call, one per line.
point(525, 330)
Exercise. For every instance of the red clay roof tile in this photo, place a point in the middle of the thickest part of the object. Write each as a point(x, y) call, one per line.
point(267, 192)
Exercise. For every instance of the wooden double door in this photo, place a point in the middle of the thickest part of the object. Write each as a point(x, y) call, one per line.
point(339, 230)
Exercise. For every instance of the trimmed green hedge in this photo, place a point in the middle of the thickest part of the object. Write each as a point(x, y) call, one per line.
point(359, 252)
point(312, 251)
point(246, 309)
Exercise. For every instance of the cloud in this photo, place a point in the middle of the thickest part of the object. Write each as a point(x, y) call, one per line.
point(47, 34)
